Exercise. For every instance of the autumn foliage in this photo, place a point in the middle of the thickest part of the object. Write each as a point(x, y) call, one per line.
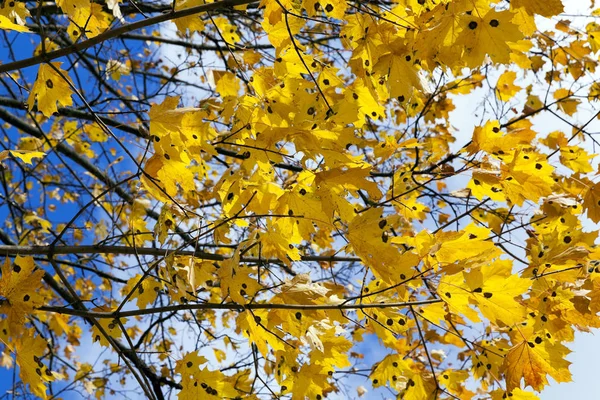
point(296, 198)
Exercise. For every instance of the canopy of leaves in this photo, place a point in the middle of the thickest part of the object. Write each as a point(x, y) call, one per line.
point(296, 199)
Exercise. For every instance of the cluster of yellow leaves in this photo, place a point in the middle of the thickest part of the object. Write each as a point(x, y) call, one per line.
point(306, 109)
point(20, 294)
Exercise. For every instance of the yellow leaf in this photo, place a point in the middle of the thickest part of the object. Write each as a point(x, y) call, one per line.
point(110, 327)
point(49, 88)
point(24, 155)
point(237, 283)
point(566, 102)
point(368, 235)
point(494, 289)
point(487, 35)
point(192, 23)
point(591, 203)
point(576, 158)
point(145, 293)
point(227, 84)
point(505, 87)
point(532, 358)
point(469, 245)
point(20, 284)
point(545, 8)
point(163, 177)
point(30, 351)
point(7, 24)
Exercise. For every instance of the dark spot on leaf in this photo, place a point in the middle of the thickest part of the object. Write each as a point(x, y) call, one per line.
point(49, 83)
point(494, 23)
point(538, 166)
point(488, 295)
point(567, 239)
point(472, 25)
point(329, 8)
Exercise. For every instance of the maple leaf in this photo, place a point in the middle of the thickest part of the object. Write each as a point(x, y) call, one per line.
point(494, 289)
point(227, 84)
point(367, 233)
point(201, 383)
point(487, 34)
point(163, 177)
point(236, 281)
point(541, 7)
point(532, 358)
point(7, 24)
point(51, 86)
point(470, 244)
point(24, 155)
point(88, 17)
point(30, 350)
point(145, 293)
point(505, 87)
point(576, 158)
point(112, 328)
point(20, 285)
point(591, 202)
